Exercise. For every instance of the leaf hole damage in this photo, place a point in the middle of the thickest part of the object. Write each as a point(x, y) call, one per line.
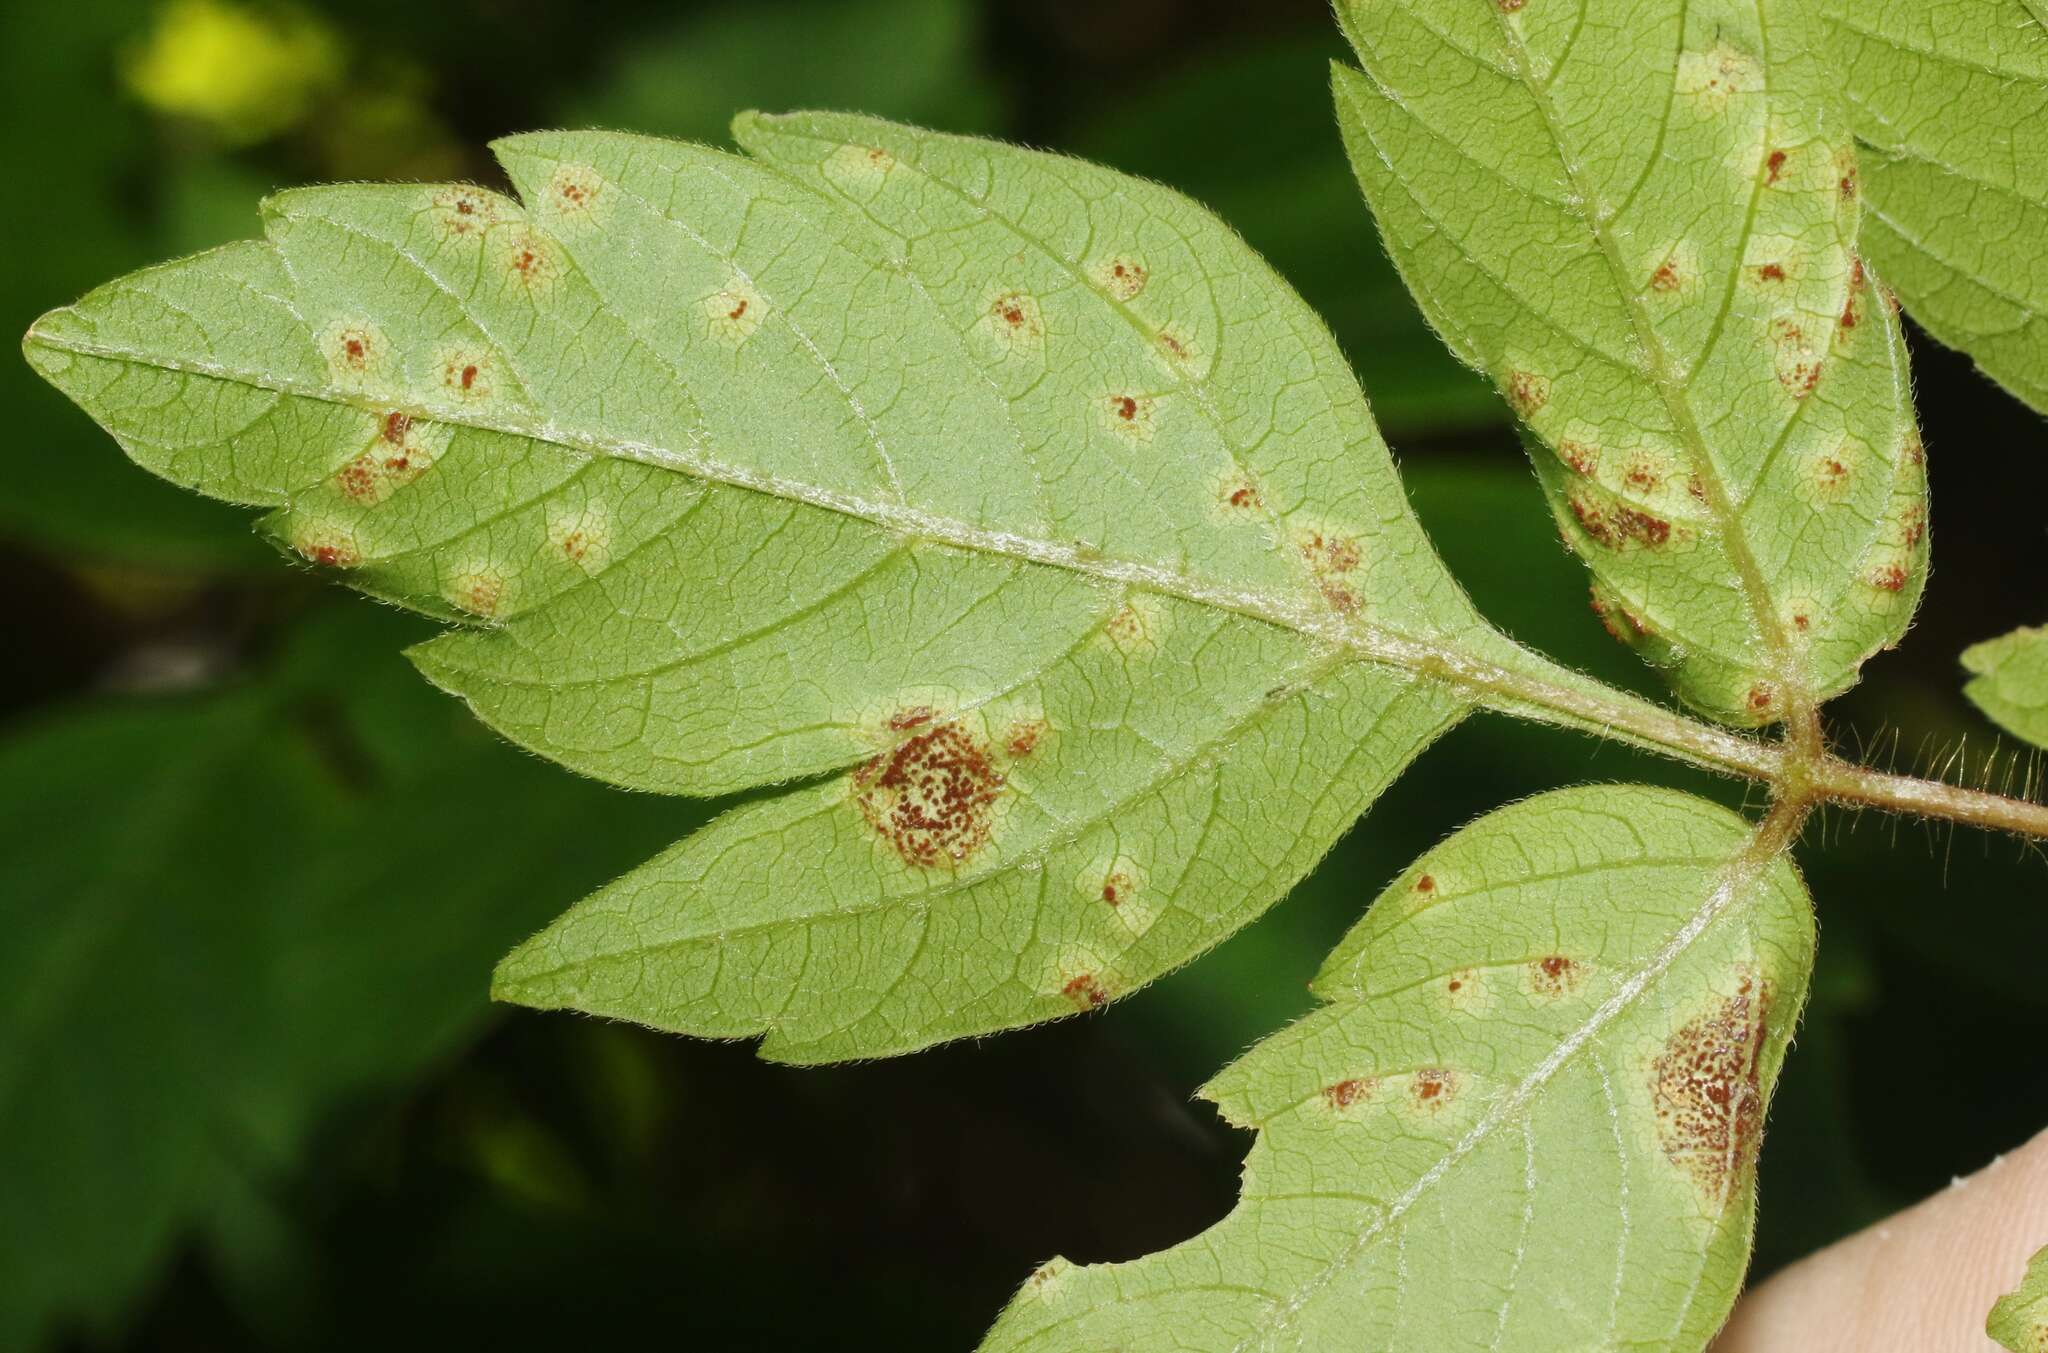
point(933, 796)
point(1707, 1092)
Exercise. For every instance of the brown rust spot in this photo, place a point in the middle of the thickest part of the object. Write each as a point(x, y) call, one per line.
point(1708, 1092)
point(1761, 698)
point(1798, 364)
point(1889, 578)
point(1666, 277)
point(1426, 884)
point(1774, 167)
point(1583, 457)
point(1433, 1087)
point(933, 797)
point(1772, 272)
point(396, 425)
point(1345, 1093)
point(1085, 991)
point(1555, 975)
point(1116, 888)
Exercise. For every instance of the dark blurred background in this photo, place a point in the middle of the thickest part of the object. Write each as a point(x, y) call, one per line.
point(254, 873)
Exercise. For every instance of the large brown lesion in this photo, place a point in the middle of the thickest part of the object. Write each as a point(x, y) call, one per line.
point(933, 796)
point(1707, 1088)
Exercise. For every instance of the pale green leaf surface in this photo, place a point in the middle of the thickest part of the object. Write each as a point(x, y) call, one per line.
point(2020, 1319)
point(1527, 1120)
point(1950, 99)
point(2010, 682)
point(1631, 216)
point(1017, 486)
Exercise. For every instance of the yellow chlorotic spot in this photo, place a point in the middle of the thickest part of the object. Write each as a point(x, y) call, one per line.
point(735, 311)
point(582, 538)
point(465, 212)
point(357, 352)
point(575, 195)
point(482, 592)
point(1123, 277)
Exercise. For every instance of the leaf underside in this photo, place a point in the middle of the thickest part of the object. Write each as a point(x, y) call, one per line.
point(1538, 1084)
point(2020, 1319)
point(1010, 501)
point(1950, 102)
point(2010, 682)
point(1640, 220)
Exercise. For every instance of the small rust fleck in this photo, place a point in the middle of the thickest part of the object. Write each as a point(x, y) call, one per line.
point(1774, 166)
point(1024, 737)
point(1666, 277)
point(1761, 697)
point(1581, 456)
point(1126, 407)
point(913, 716)
point(1708, 1092)
point(1527, 391)
point(1116, 888)
point(1426, 884)
point(1772, 272)
point(933, 797)
point(1890, 578)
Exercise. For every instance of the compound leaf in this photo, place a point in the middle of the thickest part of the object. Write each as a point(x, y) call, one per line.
point(2011, 682)
point(1527, 1119)
point(2020, 1319)
point(1015, 497)
point(1950, 100)
point(1640, 220)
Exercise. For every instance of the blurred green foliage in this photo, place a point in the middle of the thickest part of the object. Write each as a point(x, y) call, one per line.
point(250, 1091)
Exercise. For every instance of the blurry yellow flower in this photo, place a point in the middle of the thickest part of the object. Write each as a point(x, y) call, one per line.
point(246, 72)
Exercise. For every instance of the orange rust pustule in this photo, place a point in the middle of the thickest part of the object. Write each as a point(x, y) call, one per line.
point(933, 797)
point(1345, 1093)
point(1707, 1087)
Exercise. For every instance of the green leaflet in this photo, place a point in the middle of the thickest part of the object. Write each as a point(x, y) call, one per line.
point(1950, 99)
point(1632, 215)
point(2011, 682)
point(1540, 1080)
point(1013, 494)
point(2020, 1319)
